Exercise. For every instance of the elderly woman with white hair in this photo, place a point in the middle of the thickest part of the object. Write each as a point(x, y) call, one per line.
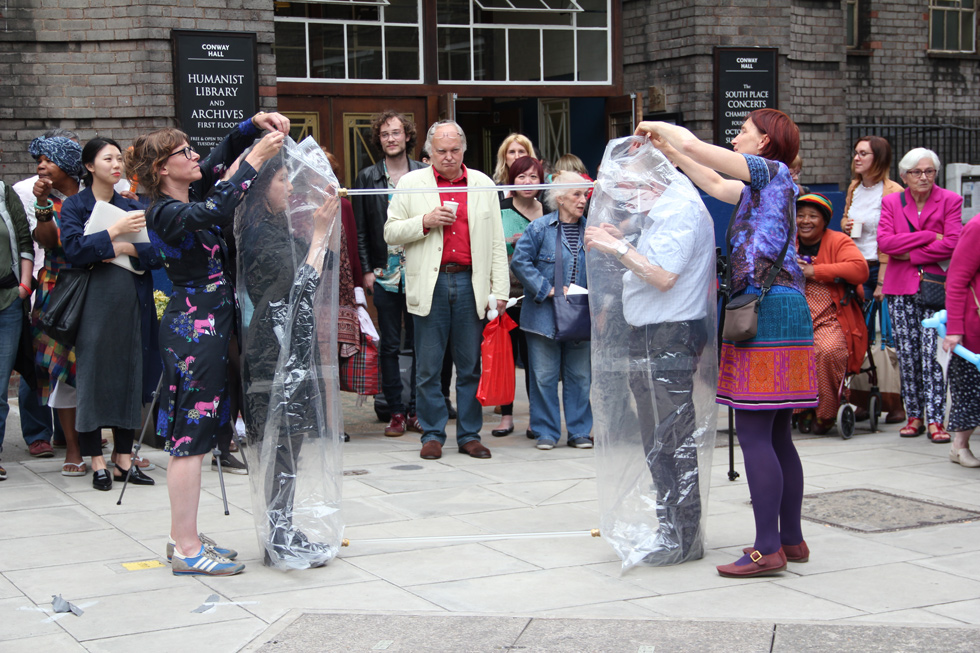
point(918, 231)
point(534, 264)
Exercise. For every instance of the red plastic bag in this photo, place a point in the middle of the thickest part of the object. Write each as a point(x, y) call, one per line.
point(497, 380)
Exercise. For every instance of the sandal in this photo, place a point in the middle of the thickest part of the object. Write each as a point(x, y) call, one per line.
point(74, 469)
point(940, 435)
point(910, 430)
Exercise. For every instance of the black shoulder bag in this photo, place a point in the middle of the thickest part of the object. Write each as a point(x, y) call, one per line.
point(61, 318)
point(573, 319)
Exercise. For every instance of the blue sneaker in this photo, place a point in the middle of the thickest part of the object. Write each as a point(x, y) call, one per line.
point(581, 443)
point(545, 444)
point(231, 554)
point(206, 563)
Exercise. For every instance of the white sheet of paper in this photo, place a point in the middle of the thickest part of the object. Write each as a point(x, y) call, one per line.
point(942, 357)
point(575, 289)
point(104, 215)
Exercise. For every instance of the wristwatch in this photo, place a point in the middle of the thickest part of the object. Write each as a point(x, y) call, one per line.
point(622, 249)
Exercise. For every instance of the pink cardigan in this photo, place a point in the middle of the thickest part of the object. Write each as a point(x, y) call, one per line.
point(940, 215)
point(964, 272)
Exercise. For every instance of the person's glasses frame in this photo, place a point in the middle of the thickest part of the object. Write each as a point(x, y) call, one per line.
point(916, 173)
point(187, 151)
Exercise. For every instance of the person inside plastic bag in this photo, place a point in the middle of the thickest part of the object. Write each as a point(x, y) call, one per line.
point(666, 287)
point(281, 264)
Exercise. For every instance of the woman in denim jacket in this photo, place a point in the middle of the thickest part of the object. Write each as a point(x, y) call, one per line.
point(551, 360)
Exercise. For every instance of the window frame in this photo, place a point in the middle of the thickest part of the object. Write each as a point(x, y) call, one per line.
point(935, 8)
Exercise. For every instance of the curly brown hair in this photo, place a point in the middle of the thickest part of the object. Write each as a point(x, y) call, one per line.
point(148, 154)
point(411, 136)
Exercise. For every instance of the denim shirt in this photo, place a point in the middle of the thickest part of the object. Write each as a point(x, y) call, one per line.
point(534, 266)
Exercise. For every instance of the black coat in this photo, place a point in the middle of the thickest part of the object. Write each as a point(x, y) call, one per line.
point(370, 214)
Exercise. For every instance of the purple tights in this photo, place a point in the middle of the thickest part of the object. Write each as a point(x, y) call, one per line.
point(775, 476)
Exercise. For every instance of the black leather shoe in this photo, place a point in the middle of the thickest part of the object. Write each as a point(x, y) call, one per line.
point(531, 435)
point(499, 433)
point(136, 477)
point(101, 480)
point(450, 409)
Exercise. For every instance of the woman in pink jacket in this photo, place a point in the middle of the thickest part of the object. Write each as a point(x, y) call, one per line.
point(963, 328)
point(918, 230)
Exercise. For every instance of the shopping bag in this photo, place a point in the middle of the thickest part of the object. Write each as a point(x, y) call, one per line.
point(361, 373)
point(497, 380)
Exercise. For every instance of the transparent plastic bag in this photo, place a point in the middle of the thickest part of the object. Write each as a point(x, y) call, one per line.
point(287, 232)
point(654, 361)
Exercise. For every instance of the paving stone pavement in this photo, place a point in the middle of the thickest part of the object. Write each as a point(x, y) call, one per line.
point(916, 589)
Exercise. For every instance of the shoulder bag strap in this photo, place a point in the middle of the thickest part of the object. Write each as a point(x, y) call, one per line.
point(777, 266)
point(728, 248)
point(559, 270)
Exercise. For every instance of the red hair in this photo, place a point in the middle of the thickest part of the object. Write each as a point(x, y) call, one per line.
point(522, 165)
point(784, 135)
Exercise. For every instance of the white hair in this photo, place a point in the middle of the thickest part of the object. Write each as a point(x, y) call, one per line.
point(432, 132)
point(914, 156)
point(563, 177)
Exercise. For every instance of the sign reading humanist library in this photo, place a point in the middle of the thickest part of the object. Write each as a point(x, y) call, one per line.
point(216, 83)
point(745, 80)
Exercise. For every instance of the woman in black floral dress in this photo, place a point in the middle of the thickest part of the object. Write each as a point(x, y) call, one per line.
point(190, 208)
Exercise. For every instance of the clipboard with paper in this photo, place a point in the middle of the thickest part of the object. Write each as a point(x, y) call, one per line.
point(104, 215)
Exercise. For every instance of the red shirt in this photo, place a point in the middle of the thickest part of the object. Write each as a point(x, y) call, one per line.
point(456, 237)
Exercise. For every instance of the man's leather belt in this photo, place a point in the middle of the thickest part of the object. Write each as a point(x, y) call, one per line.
point(453, 268)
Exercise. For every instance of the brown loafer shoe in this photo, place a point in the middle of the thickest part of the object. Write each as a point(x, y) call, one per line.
point(798, 553)
point(475, 449)
point(761, 565)
point(431, 450)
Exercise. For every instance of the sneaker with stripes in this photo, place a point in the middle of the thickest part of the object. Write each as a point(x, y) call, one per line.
point(207, 562)
point(224, 552)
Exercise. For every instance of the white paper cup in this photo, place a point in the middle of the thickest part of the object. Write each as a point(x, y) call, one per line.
point(856, 229)
point(452, 206)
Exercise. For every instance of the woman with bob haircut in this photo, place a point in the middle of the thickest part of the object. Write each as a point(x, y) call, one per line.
point(764, 222)
point(190, 206)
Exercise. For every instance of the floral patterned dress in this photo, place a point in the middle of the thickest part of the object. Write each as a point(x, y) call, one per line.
point(201, 313)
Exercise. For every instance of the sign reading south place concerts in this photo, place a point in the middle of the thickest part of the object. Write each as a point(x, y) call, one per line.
point(216, 83)
point(745, 80)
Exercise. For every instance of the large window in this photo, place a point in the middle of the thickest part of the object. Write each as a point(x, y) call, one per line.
point(527, 42)
point(952, 25)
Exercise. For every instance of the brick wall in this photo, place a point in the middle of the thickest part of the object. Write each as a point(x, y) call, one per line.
point(105, 66)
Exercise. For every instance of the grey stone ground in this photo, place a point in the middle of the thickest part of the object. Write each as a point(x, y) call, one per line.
point(864, 589)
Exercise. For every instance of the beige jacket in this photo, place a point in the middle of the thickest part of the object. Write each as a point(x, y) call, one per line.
point(423, 251)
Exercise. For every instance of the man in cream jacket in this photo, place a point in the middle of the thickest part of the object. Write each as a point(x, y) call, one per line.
point(455, 257)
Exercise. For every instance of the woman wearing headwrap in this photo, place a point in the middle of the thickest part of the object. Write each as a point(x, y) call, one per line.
point(59, 169)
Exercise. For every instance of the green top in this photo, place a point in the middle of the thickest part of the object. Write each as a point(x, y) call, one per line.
point(514, 222)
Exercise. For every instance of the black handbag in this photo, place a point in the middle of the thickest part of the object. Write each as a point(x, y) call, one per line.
point(61, 318)
point(573, 319)
point(932, 287)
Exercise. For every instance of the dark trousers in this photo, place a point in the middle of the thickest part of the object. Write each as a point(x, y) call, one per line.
point(392, 312)
point(665, 358)
point(90, 442)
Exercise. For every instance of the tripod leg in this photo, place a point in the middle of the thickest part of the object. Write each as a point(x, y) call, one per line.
point(139, 443)
point(732, 474)
point(216, 452)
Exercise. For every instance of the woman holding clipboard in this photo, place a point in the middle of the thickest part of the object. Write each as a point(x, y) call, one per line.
point(116, 351)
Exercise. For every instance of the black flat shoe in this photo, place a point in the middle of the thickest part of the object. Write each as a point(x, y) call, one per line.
point(531, 435)
point(136, 477)
point(101, 480)
point(499, 433)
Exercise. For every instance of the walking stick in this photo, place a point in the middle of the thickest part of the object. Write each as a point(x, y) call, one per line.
point(216, 452)
point(139, 443)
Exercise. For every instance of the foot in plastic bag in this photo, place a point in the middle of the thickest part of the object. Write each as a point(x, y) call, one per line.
point(295, 551)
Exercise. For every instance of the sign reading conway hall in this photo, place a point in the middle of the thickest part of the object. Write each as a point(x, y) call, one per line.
point(745, 80)
point(215, 80)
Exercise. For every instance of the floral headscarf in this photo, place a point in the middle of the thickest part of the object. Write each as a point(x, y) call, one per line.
point(63, 152)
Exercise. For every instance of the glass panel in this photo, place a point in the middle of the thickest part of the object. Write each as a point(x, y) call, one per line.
point(592, 53)
point(967, 41)
point(559, 56)
point(402, 52)
point(290, 49)
point(454, 54)
point(364, 51)
point(453, 12)
point(595, 14)
point(936, 37)
point(529, 18)
point(525, 55)
point(402, 11)
point(327, 51)
point(952, 31)
point(488, 54)
point(851, 24)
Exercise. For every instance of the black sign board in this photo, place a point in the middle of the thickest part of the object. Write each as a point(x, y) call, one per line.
point(216, 83)
point(745, 80)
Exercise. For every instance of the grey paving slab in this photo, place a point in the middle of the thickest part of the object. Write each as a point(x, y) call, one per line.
point(555, 552)
point(57, 519)
point(535, 493)
point(943, 540)
point(61, 642)
point(226, 636)
point(801, 638)
point(31, 496)
point(911, 617)
point(542, 519)
point(440, 564)
point(7, 589)
point(607, 610)
point(394, 481)
point(70, 548)
point(367, 510)
point(259, 579)
point(964, 565)
point(396, 634)
point(966, 612)
point(21, 618)
point(436, 503)
point(539, 470)
point(91, 580)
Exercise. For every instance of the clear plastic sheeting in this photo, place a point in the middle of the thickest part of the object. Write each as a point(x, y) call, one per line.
point(287, 233)
point(654, 361)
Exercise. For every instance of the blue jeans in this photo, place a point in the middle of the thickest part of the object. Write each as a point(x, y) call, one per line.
point(452, 321)
point(36, 421)
point(569, 362)
point(10, 322)
point(391, 312)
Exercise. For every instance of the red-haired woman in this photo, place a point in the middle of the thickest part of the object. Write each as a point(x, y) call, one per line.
point(763, 224)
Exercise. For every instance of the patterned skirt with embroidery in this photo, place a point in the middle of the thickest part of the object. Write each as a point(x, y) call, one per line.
point(776, 369)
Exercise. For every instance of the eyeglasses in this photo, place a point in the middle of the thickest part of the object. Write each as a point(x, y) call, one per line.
point(389, 136)
point(861, 154)
point(187, 151)
point(931, 172)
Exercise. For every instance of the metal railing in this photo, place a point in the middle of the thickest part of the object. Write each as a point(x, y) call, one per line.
point(954, 143)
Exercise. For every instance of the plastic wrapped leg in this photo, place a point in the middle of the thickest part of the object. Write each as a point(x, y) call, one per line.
point(651, 286)
point(287, 232)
